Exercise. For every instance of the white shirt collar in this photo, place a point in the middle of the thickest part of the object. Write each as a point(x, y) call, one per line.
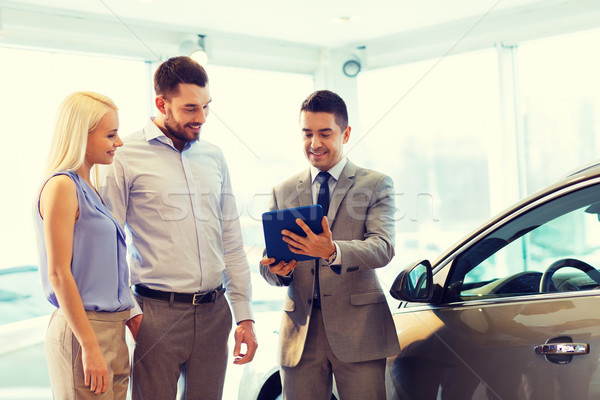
point(152, 131)
point(334, 171)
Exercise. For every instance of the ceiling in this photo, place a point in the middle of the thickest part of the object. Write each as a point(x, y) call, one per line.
point(328, 23)
point(304, 36)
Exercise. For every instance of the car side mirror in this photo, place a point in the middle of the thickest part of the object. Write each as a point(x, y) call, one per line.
point(414, 284)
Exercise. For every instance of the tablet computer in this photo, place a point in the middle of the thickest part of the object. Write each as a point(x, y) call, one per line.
point(275, 221)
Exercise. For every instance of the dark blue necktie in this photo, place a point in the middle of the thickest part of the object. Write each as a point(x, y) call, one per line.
point(323, 200)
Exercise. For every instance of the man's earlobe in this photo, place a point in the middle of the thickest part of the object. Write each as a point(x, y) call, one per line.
point(160, 104)
point(347, 134)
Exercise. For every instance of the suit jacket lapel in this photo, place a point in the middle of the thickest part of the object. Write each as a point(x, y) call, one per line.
point(303, 190)
point(341, 189)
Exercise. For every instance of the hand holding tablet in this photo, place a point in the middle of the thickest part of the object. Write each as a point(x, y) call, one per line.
point(276, 221)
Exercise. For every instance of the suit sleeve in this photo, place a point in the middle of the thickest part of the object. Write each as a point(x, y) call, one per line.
point(377, 248)
point(271, 278)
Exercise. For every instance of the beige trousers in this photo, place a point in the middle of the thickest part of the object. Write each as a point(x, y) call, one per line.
point(63, 355)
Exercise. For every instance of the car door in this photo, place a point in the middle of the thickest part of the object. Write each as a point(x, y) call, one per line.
point(520, 290)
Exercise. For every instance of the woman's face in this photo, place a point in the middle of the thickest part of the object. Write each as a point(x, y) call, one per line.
point(104, 140)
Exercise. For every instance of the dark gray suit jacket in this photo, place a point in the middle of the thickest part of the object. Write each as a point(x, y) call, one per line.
point(356, 316)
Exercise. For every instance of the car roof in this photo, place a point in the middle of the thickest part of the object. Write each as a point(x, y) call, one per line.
point(592, 168)
point(581, 174)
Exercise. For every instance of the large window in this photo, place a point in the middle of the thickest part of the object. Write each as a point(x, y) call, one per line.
point(254, 119)
point(434, 126)
point(33, 84)
point(428, 125)
point(560, 105)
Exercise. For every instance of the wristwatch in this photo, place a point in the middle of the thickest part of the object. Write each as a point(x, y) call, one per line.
point(332, 257)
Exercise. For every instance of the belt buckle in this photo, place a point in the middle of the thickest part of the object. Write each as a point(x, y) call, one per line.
point(199, 297)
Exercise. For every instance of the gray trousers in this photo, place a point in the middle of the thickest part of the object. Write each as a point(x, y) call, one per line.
point(181, 339)
point(63, 355)
point(312, 379)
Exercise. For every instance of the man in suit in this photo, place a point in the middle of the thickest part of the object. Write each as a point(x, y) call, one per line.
point(336, 321)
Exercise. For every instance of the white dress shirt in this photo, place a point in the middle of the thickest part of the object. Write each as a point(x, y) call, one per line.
point(335, 173)
point(180, 216)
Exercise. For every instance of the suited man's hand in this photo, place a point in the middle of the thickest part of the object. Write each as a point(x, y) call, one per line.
point(312, 245)
point(281, 268)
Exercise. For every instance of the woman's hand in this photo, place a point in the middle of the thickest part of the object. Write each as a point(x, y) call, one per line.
point(95, 370)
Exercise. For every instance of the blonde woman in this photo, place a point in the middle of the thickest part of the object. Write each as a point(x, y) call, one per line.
point(82, 256)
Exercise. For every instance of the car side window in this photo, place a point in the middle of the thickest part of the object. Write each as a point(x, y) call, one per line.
point(554, 247)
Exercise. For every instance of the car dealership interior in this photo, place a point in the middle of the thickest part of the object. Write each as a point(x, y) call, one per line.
point(469, 105)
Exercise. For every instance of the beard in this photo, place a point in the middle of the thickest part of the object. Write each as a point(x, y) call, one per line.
point(179, 133)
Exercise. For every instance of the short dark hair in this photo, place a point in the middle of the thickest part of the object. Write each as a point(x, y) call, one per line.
point(329, 102)
point(178, 70)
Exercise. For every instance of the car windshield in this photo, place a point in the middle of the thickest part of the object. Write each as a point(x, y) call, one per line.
point(554, 247)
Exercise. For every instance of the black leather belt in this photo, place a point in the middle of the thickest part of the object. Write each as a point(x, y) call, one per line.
point(190, 298)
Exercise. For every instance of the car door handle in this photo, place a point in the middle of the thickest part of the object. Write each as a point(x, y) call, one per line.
point(562, 348)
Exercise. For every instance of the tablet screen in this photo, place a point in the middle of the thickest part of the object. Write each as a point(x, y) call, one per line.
point(275, 221)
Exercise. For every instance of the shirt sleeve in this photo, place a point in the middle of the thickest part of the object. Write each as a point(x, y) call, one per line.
point(114, 187)
point(237, 271)
point(136, 310)
point(114, 190)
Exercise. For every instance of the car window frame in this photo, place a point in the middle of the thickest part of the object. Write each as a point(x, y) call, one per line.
point(444, 265)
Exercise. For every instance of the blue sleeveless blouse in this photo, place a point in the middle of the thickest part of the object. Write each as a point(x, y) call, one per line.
point(99, 263)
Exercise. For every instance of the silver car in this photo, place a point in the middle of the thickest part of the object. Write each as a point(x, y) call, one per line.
point(510, 312)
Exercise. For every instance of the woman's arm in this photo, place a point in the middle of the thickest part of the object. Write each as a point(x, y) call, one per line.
point(59, 209)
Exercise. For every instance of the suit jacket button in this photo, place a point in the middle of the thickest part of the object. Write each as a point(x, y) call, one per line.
point(309, 301)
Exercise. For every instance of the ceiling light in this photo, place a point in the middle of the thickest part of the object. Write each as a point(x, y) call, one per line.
point(200, 57)
point(195, 48)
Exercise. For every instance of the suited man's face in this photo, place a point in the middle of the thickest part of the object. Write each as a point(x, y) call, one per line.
point(323, 139)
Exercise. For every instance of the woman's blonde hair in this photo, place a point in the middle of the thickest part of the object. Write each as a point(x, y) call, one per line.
point(78, 115)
